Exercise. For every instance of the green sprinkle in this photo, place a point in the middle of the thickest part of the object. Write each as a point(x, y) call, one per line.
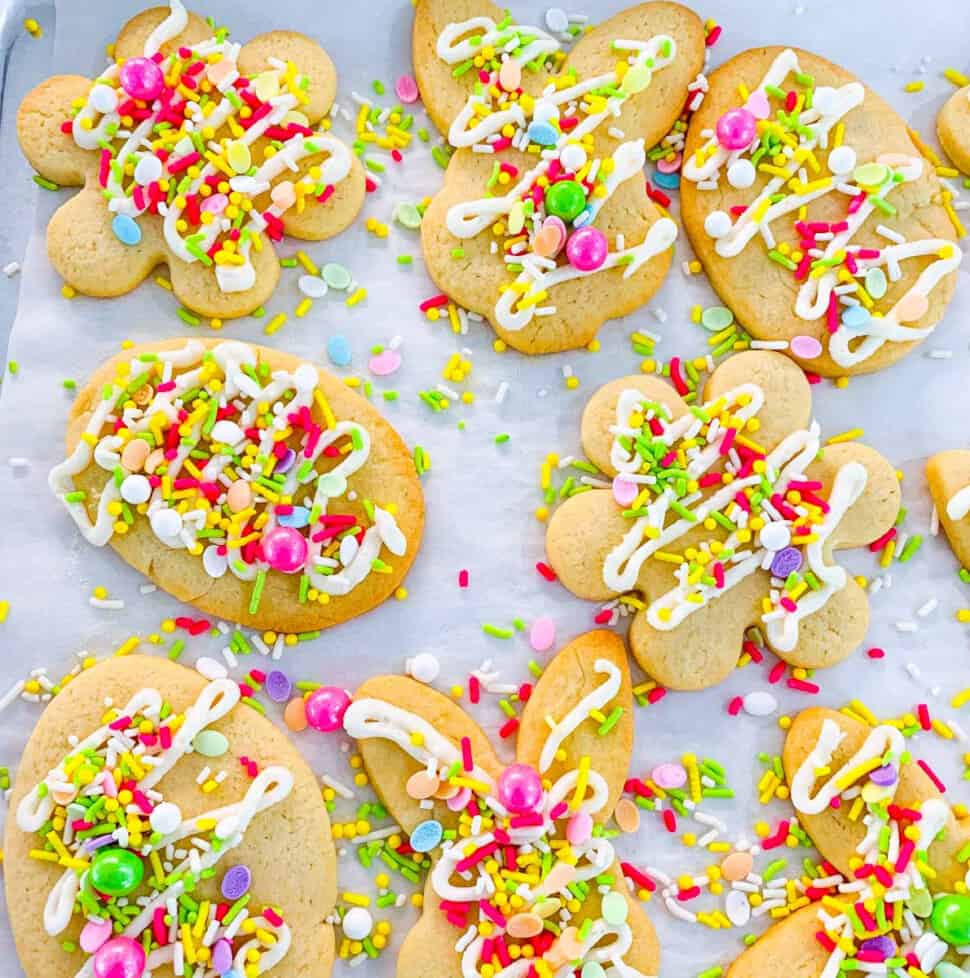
point(714, 972)
point(76, 496)
point(188, 318)
point(773, 869)
point(378, 87)
point(496, 632)
point(502, 438)
point(45, 183)
point(69, 385)
point(13, 367)
point(257, 592)
point(404, 259)
point(777, 256)
point(610, 722)
point(255, 704)
point(912, 545)
point(441, 156)
point(288, 263)
point(175, 649)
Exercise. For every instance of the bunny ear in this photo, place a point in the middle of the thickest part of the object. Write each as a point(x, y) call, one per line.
point(877, 507)
point(948, 473)
point(832, 830)
point(306, 55)
point(599, 415)
point(442, 91)
point(788, 397)
point(397, 701)
point(429, 948)
point(132, 37)
point(650, 113)
point(788, 948)
point(582, 708)
point(51, 152)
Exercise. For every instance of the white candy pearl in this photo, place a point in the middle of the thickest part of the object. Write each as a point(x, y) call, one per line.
point(357, 923)
point(312, 286)
point(424, 667)
point(775, 536)
point(842, 160)
point(305, 377)
point(166, 523)
point(103, 98)
point(741, 174)
point(136, 489)
point(717, 224)
point(147, 170)
point(227, 432)
point(165, 818)
point(573, 157)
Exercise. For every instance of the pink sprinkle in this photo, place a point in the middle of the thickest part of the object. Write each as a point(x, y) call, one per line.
point(832, 314)
point(931, 774)
point(491, 912)
point(875, 653)
point(474, 689)
point(777, 671)
point(466, 754)
point(788, 604)
point(922, 711)
point(542, 634)
point(878, 545)
point(734, 707)
point(802, 686)
point(856, 202)
point(463, 578)
point(272, 916)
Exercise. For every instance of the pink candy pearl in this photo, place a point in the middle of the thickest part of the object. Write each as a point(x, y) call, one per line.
point(736, 129)
point(284, 549)
point(141, 78)
point(121, 957)
point(587, 249)
point(325, 708)
point(520, 789)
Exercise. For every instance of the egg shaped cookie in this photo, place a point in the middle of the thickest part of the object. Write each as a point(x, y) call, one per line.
point(119, 859)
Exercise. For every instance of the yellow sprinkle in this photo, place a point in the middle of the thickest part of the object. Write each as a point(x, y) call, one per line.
point(923, 148)
point(956, 77)
point(44, 855)
point(303, 308)
point(307, 262)
point(851, 435)
point(668, 557)
point(960, 699)
point(914, 86)
point(324, 406)
point(188, 944)
point(853, 774)
point(163, 283)
point(356, 899)
point(275, 324)
point(942, 729)
point(4, 611)
point(947, 171)
point(128, 646)
point(864, 712)
point(358, 296)
point(887, 554)
point(582, 779)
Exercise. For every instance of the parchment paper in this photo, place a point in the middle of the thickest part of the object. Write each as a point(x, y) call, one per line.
point(480, 496)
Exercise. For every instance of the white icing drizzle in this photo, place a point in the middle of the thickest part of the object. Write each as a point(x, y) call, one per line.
point(848, 346)
point(137, 145)
point(596, 700)
point(958, 505)
point(238, 387)
point(622, 566)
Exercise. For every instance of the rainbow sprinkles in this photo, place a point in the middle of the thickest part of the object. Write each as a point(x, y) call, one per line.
point(706, 470)
point(526, 879)
point(100, 815)
point(551, 208)
point(155, 119)
point(837, 282)
point(223, 457)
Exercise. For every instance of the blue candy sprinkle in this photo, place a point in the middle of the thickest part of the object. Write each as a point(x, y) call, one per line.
point(297, 519)
point(126, 229)
point(855, 317)
point(669, 181)
point(543, 134)
point(426, 836)
point(338, 349)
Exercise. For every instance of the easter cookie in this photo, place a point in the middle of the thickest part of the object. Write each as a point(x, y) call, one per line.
point(814, 214)
point(953, 128)
point(117, 863)
point(721, 516)
point(194, 152)
point(437, 773)
point(889, 839)
point(948, 474)
point(543, 224)
point(256, 487)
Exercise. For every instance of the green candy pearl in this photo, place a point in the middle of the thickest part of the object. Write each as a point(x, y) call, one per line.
point(116, 871)
point(565, 199)
point(951, 919)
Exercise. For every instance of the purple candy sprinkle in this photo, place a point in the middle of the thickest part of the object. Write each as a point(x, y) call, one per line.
point(222, 956)
point(786, 561)
point(883, 945)
point(278, 686)
point(286, 462)
point(236, 882)
point(883, 776)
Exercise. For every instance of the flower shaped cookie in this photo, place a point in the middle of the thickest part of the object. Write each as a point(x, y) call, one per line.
point(523, 881)
point(192, 151)
point(895, 899)
point(723, 516)
point(117, 862)
point(814, 214)
point(544, 225)
point(953, 128)
point(948, 474)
